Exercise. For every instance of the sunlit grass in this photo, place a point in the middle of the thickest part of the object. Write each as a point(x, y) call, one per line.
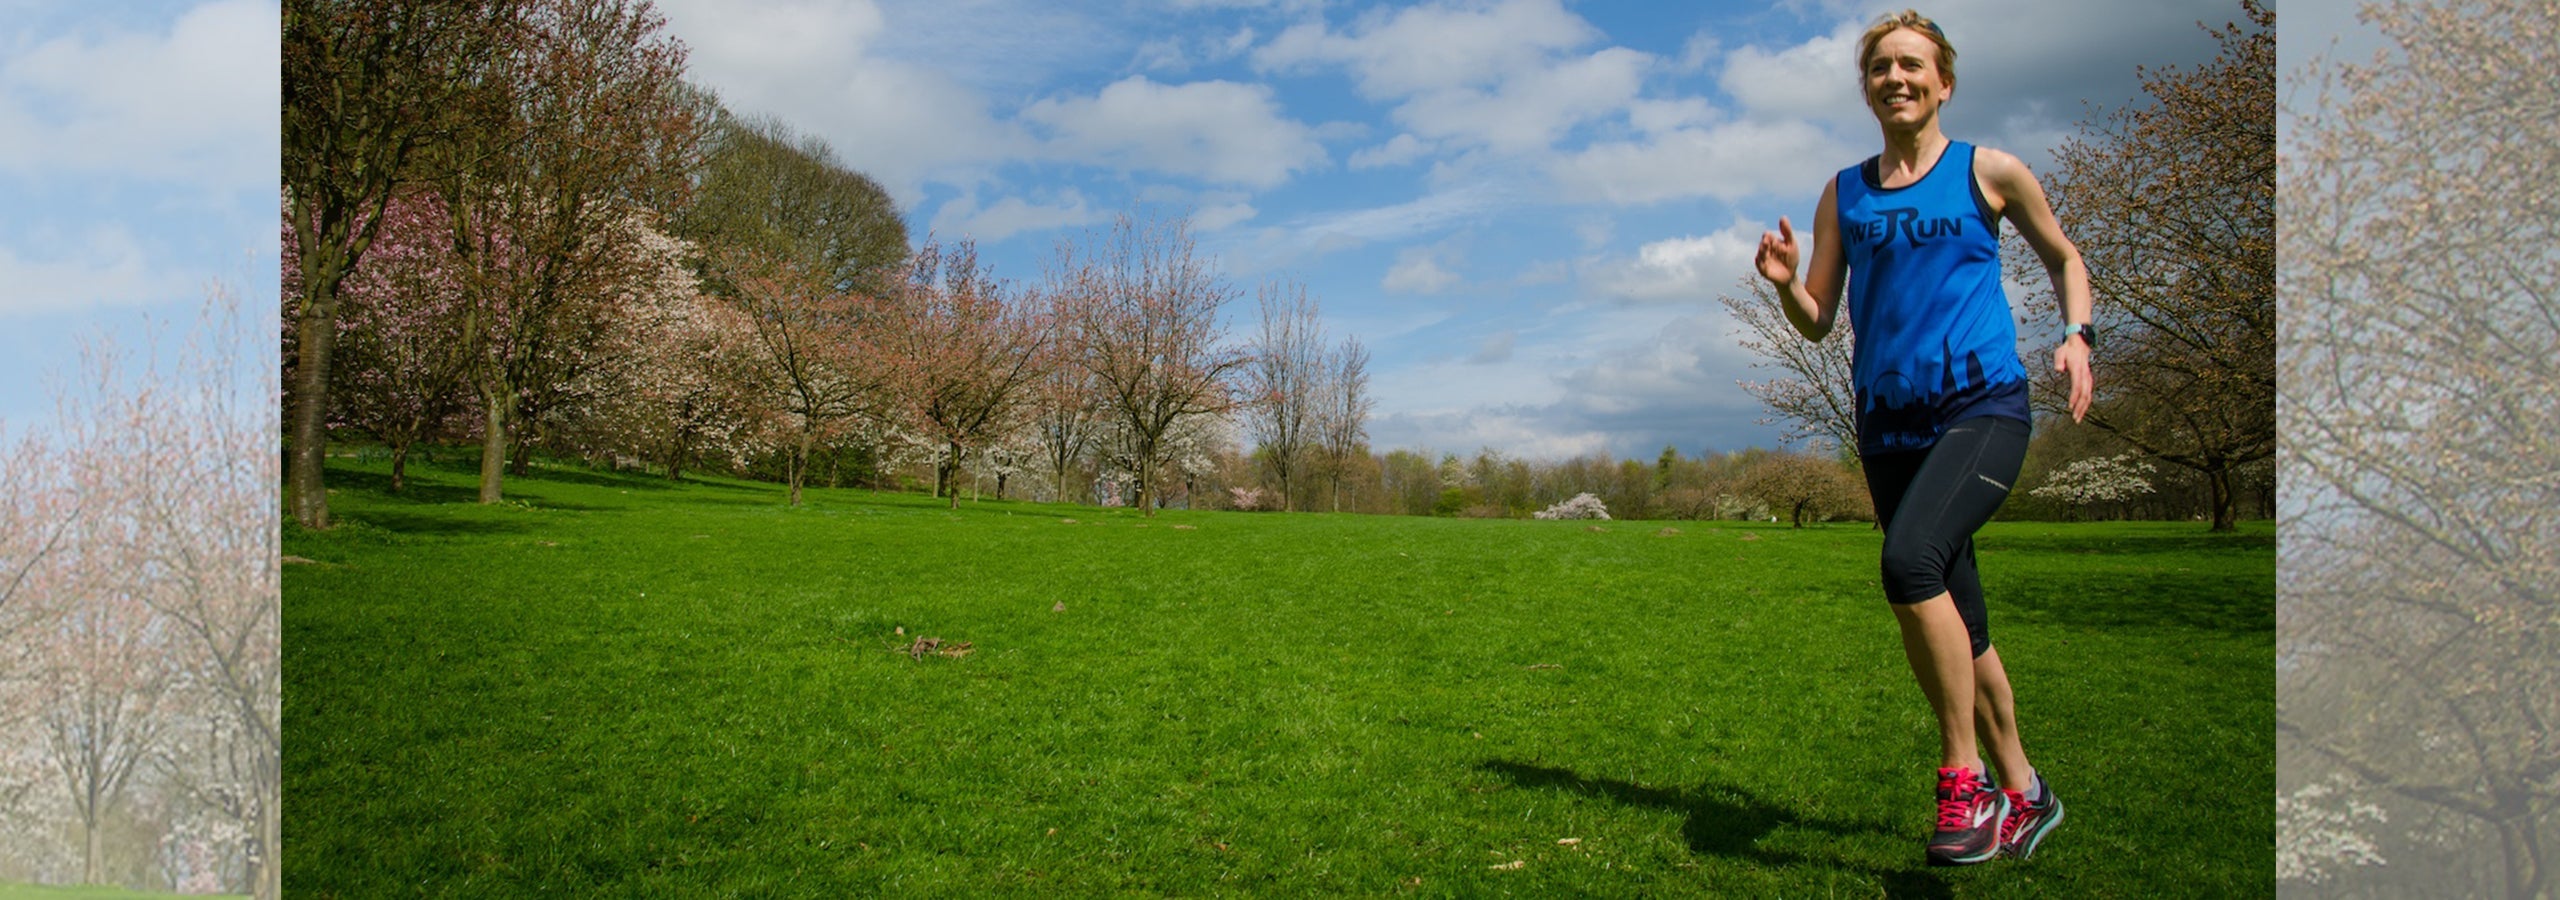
point(624, 686)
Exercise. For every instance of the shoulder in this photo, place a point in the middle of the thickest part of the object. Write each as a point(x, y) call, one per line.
point(2001, 169)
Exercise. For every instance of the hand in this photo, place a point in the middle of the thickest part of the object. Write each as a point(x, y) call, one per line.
point(2073, 358)
point(1777, 256)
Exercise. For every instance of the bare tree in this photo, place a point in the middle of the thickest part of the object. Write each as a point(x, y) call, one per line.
point(1815, 396)
point(2421, 414)
point(1146, 325)
point(1342, 412)
point(1068, 417)
point(2172, 204)
point(1281, 383)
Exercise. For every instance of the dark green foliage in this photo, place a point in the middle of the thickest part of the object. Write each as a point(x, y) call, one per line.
point(765, 188)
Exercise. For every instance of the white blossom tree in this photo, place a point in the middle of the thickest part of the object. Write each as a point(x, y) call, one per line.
point(2099, 479)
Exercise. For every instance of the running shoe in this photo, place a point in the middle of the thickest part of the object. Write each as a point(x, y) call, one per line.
point(2029, 820)
point(1970, 814)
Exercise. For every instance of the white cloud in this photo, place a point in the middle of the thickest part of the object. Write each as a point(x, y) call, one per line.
point(1495, 350)
point(1517, 431)
point(1500, 75)
point(1691, 269)
point(1435, 47)
point(1403, 148)
point(1418, 271)
point(106, 267)
point(1816, 80)
point(1700, 49)
point(1222, 216)
point(1621, 381)
point(1010, 216)
point(2023, 70)
point(194, 103)
point(1219, 131)
point(817, 65)
point(1534, 108)
point(1162, 55)
point(1554, 271)
point(1726, 162)
point(1655, 117)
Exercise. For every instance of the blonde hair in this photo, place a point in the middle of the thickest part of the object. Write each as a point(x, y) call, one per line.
point(1911, 19)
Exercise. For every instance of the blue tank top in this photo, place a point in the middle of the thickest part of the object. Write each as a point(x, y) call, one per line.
point(1934, 341)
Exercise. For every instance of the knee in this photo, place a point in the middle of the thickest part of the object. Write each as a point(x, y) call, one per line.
point(1913, 570)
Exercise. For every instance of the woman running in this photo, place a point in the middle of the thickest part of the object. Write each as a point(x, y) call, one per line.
point(1913, 234)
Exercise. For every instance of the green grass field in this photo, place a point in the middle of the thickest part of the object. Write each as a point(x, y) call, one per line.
point(619, 686)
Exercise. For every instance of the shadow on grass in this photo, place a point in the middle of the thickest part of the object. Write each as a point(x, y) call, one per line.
point(2078, 544)
point(418, 490)
point(2193, 602)
point(435, 524)
point(1726, 820)
point(593, 478)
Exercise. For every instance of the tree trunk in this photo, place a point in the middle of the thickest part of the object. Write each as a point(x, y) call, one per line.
point(520, 453)
point(799, 467)
point(318, 334)
point(2220, 478)
point(493, 443)
point(267, 880)
point(89, 851)
point(399, 467)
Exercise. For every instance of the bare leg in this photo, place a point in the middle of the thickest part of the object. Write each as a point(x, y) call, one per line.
point(1941, 655)
point(1995, 717)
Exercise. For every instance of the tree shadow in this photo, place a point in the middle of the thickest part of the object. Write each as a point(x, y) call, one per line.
point(417, 490)
point(2188, 600)
point(413, 524)
point(1730, 820)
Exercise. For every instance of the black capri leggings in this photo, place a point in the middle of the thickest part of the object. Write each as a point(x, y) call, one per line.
point(1932, 501)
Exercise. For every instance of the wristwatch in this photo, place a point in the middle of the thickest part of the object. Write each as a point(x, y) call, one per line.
point(2086, 331)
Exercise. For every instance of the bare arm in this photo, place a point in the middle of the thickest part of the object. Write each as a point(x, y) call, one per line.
point(1812, 303)
point(2021, 199)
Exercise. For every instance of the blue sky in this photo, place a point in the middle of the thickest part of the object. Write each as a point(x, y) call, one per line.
point(1525, 209)
point(138, 148)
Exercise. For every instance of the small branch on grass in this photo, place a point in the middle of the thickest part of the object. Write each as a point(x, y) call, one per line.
point(937, 646)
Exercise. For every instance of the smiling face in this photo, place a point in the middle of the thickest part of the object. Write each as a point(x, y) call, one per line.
point(1904, 85)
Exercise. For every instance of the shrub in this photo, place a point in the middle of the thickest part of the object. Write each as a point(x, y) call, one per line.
point(1582, 506)
point(1245, 499)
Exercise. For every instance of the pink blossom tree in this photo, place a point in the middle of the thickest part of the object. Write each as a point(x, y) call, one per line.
point(965, 356)
point(584, 119)
point(165, 610)
point(403, 358)
point(1145, 324)
point(368, 89)
point(811, 350)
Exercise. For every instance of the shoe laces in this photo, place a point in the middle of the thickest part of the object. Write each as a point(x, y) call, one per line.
point(1958, 790)
point(2017, 815)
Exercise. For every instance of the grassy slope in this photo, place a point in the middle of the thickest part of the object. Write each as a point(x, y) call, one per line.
point(646, 689)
